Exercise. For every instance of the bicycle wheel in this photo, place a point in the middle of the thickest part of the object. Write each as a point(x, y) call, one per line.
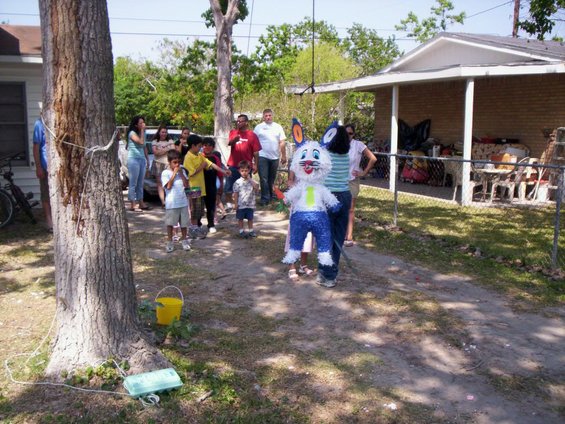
point(7, 210)
point(22, 202)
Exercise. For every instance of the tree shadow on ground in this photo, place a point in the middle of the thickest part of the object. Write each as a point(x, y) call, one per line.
point(391, 343)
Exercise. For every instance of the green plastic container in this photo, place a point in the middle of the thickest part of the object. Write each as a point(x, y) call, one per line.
point(152, 382)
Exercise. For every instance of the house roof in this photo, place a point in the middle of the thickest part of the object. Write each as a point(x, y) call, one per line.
point(20, 40)
point(459, 56)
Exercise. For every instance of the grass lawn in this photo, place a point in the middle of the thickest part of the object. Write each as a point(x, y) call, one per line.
point(507, 249)
point(240, 364)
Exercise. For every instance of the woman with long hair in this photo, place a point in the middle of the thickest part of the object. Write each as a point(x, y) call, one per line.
point(337, 182)
point(182, 143)
point(137, 163)
point(357, 151)
point(161, 144)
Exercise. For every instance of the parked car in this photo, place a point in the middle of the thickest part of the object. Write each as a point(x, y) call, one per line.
point(149, 185)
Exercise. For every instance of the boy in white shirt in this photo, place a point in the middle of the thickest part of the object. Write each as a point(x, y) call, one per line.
point(174, 182)
point(244, 190)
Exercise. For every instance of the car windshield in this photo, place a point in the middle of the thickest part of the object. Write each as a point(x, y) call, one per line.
point(173, 134)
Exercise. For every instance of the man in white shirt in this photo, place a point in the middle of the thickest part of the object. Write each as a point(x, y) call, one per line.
point(273, 149)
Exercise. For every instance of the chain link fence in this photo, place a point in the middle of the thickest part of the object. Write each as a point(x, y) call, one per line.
point(512, 212)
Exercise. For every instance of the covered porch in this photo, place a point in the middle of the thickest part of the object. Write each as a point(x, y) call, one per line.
point(471, 87)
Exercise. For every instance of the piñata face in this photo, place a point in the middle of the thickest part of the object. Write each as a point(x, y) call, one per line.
point(311, 163)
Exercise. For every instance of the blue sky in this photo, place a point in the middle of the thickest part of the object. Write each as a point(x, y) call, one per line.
point(133, 22)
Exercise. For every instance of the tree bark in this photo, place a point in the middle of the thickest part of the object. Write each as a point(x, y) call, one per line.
point(223, 101)
point(96, 300)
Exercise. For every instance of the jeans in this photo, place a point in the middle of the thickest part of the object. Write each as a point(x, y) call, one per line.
point(136, 174)
point(210, 203)
point(267, 174)
point(228, 186)
point(338, 225)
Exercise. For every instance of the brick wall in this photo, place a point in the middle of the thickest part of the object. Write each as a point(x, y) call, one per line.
point(505, 107)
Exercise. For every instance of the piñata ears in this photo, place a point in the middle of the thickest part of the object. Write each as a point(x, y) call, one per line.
point(299, 139)
point(297, 133)
point(329, 134)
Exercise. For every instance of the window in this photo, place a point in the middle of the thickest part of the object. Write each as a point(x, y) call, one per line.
point(13, 119)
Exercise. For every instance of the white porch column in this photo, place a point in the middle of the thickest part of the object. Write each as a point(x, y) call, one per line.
point(466, 189)
point(393, 138)
point(341, 107)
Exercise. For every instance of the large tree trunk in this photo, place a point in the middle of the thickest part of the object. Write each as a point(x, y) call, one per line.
point(223, 101)
point(96, 300)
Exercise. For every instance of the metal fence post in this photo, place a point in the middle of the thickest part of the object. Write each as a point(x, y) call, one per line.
point(395, 213)
point(558, 202)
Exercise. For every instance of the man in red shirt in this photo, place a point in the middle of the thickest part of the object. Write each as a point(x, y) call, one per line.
point(244, 145)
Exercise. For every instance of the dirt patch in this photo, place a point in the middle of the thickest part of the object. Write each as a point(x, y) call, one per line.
point(393, 342)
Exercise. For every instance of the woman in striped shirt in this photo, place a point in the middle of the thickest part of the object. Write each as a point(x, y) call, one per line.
point(338, 183)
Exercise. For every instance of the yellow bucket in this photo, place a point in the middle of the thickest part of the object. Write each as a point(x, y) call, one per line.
point(171, 307)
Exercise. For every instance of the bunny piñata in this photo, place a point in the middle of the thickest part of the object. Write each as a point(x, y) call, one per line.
point(310, 199)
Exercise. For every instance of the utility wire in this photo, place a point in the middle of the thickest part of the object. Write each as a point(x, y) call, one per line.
point(186, 21)
point(488, 10)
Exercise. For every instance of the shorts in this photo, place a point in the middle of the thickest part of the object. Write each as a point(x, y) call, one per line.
point(44, 188)
point(196, 208)
point(228, 187)
point(157, 169)
point(244, 213)
point(354, 186)
point(175, 215)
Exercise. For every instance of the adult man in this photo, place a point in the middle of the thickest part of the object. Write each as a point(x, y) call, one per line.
point(244, 145)
point(273, 148)
point(40, 158)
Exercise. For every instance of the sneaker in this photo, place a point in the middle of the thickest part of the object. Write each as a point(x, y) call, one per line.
point(321, 280)
point(252, 234)
point(176, 238)
point(243, 234)
point(348, 243)
point(186, 244)
point(193, 233)
point(169, 247)
point(212, 230)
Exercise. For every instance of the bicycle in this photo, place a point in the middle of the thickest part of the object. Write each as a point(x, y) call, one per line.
point(12, 198)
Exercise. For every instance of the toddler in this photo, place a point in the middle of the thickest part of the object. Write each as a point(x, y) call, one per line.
point(244, 190)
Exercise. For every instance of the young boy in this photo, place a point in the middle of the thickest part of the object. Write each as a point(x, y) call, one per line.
point(244, 190)
point(174, 182)
point(195, 163)
point(211, 177)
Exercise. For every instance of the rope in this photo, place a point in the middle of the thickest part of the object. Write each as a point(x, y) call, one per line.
point(90, 152)
point(151, 399)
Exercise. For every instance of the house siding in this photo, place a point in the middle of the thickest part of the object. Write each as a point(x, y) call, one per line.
point(504, 107)
point(31, 76)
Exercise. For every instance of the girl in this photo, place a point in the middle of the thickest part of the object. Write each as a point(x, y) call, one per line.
point(137, 163)
point(161, 144)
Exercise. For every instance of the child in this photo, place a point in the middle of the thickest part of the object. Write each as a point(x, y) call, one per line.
point(174, 182)
point(293, 273)
point(211, 176)
point(195, 163)
point(244, 190)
